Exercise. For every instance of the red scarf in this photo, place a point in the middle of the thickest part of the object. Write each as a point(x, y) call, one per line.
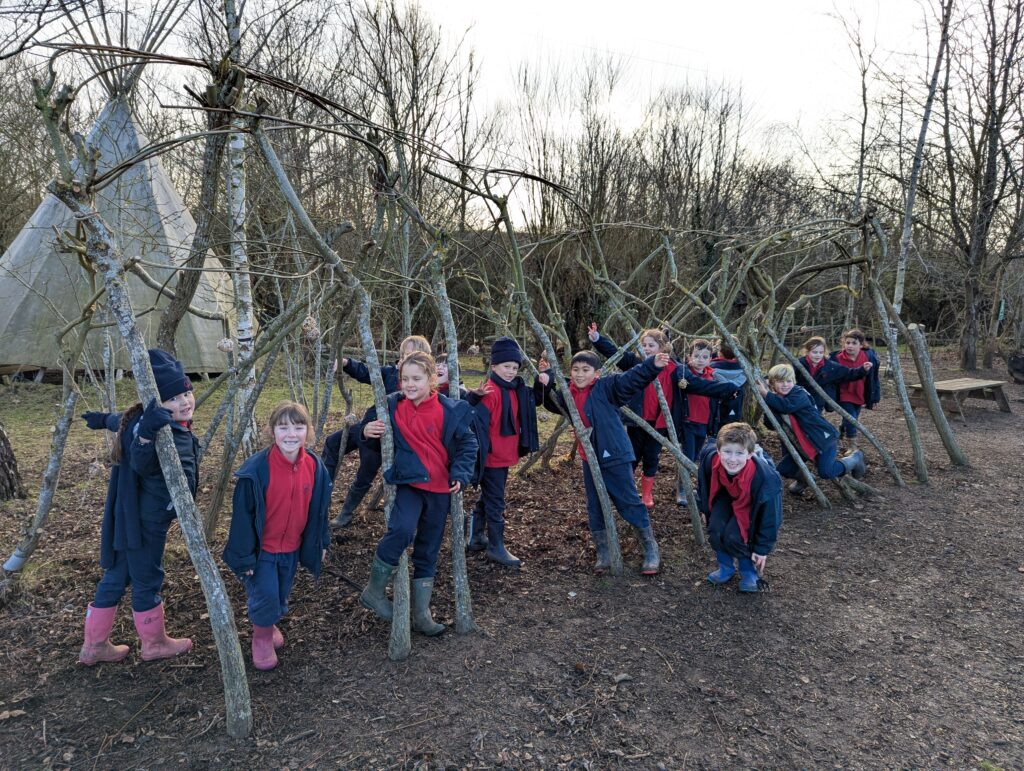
point(813, 369)
point(853, 391)
point(580, 396)
point(801, 438)
point(652, 409)
point(737, 488)
point(700, 406)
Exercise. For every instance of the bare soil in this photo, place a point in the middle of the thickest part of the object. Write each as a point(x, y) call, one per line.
point(891, 635)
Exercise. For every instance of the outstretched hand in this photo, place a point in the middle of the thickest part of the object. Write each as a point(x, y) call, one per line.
point(153, 419)
point(95, 420)
point(592, 332)
point(661, 360)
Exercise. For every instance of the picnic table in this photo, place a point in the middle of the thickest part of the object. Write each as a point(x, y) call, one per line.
point(953, 393)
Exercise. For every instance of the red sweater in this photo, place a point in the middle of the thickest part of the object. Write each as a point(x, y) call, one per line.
point(852, 391)
point(422, 426)
point(504, 450)
point(700, 406)
point(287, 505)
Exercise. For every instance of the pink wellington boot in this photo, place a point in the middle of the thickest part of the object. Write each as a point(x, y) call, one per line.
point(155, 642)
point(97, 647)
point(263, 655)
point(278, 638)
point(647, 491)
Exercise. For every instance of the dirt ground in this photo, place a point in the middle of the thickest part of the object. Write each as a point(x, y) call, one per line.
point(892, 635)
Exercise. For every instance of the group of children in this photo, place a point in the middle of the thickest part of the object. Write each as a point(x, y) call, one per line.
point(442, 446)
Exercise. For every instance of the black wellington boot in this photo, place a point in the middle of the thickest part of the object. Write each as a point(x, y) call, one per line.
point(477, 531)
point(496, 551)
point(854, 464)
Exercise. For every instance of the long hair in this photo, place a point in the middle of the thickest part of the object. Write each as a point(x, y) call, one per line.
point(126, 417)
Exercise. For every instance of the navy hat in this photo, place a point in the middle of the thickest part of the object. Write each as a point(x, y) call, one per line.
point(169, 374)
point(506, 349)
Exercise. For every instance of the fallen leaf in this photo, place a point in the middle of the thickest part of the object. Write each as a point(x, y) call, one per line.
point(9, 713)
point(621, 677)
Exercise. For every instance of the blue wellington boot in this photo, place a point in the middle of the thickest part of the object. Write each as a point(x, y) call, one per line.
point(748, 576)
point(725, 569)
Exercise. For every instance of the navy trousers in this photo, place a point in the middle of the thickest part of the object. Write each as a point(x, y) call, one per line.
point(141, 568)
point(646, 448)
point(333, 453)
point(847, 428)
point(693, 438)
point(491, 504)
point(618, 479)
point(369, 464)
point(269, 586)
point(828, 466)
point(723, 530)
point(417, 518)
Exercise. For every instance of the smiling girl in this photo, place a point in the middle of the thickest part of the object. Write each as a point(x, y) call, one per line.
point(278, 522)
point(435, 456)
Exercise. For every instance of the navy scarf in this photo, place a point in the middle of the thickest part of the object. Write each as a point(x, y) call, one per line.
point(506, 424)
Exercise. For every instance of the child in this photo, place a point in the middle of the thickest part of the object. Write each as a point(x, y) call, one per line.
point(827, 373)
point(369, 461)
point(728, 370)
point(278, 522)
point(137, 515)
point(740, 496)
point(507, 430)
point(435, 456)
point(857, 394)
point(646, 449)
point(597, 400)
point(699, 407)
point(816, 438)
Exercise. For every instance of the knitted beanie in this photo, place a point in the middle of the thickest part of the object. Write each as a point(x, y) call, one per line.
point(169, 374)
point(506, 349)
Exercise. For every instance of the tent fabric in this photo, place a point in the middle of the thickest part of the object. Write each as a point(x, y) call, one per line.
point(42, 289)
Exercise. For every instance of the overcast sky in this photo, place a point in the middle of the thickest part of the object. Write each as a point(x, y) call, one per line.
point(792, 58)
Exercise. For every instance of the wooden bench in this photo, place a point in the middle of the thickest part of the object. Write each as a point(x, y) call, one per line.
point(953, 393)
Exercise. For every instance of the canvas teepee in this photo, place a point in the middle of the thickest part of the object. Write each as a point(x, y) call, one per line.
point(42, 289)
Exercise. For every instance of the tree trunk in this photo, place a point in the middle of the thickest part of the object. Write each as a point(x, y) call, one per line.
point(10, 480)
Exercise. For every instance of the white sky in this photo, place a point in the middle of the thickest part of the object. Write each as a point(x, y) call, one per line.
point(792, 58)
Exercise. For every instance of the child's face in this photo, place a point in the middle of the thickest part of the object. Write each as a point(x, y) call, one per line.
point(816, 354)
point(782, 387)
point(734, 457)
point(181, 406)
point(442, 371)
point(290, 437)
point(582, 374)
point(507, 370)
point(650, 346)
point(415, 383)
point(852, 347)
point(700, 358)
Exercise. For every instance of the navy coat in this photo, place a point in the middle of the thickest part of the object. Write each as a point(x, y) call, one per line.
point(457, 435)
point(873, 388)
point(609, 392)
point(831, 374)
point(359, 372)
point(799, 403)
point(249, 514)
point(730, 408)
point(714, 390)
point(765, 495)
point(136, 489)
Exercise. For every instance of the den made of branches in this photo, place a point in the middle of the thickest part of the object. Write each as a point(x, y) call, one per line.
point(272, 274)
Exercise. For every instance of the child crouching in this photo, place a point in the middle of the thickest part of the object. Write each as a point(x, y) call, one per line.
point(740, 497)
point(278, 522)
point(816, 438)
point(435, 456)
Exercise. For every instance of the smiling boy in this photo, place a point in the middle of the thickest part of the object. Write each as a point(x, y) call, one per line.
point(740, 499)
